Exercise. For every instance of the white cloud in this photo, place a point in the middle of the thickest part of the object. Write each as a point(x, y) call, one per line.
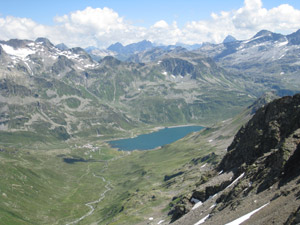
point(164, 33)
point(103, 20)
point(161, 24)
point(23, 28)
point(102, 27)
point(253, 4)
point(245, 22)
point(98, 27)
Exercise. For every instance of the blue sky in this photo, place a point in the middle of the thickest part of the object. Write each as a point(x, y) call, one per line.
point(164, 21)
point(140, 12)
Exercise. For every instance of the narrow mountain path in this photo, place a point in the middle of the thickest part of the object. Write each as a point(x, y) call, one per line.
point(92, 204)
point(108, 187)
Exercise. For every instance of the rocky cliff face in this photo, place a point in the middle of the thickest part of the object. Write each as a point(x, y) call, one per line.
point(274, 129)
point(260, 171)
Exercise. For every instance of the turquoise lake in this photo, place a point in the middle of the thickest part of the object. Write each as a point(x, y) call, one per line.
point(155, 139)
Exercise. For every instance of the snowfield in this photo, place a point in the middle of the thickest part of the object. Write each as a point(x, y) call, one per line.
point(20, 52)
point(246, 217)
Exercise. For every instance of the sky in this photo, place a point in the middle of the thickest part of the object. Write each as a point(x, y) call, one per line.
point(101, 23)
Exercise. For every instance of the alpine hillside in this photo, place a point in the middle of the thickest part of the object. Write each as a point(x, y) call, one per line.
point(257, 181)
point(60, 107)
point(61, 92)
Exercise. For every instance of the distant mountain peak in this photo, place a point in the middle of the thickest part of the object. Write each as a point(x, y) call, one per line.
point(110, 61)
point(265, 35)
point(188, 47)
point(131, 48)
point(62, 46)
point(90, 48)
point(262, 33)
point(145, 42)
point(115, 47)
point(139, 46)
point(78, 50)
point(294, 38)
point(81, 52)
point(229, 39)
point(45, 41)
point(117, 44)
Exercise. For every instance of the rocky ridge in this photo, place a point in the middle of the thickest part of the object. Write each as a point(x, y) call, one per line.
point(266, 57)
point(259, 172)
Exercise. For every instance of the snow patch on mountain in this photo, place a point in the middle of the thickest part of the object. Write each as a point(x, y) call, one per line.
point(280, 44)
point(245, 217)
point(202, 220)
point(20, 52)
point(236, 180)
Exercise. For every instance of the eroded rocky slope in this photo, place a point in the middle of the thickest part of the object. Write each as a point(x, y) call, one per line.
point(258, 178)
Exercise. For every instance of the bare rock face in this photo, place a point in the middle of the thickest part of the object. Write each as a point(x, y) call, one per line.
point(273, 130)
point(294, 218)
point(178, 66)
point(268, 146)
point(264, 159)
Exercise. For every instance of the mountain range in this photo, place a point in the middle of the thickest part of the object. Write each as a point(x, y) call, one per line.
point(46, 90)
point(59, 106)
point(264, 57)
point(125, 53)
point(66, 91)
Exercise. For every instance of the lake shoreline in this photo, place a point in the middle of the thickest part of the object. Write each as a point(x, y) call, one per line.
point(159, 137)
point(175, 126)
point(149, 131)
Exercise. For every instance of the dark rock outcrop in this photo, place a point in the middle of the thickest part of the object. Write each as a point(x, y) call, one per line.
point(178, 66)
point(274, 128)
point(209, 191)
point(294, 218)
point(179, 209)
point(61, 64)
point(264, 159)
point(16, 43)
point(168, 177)
point(10, 88)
